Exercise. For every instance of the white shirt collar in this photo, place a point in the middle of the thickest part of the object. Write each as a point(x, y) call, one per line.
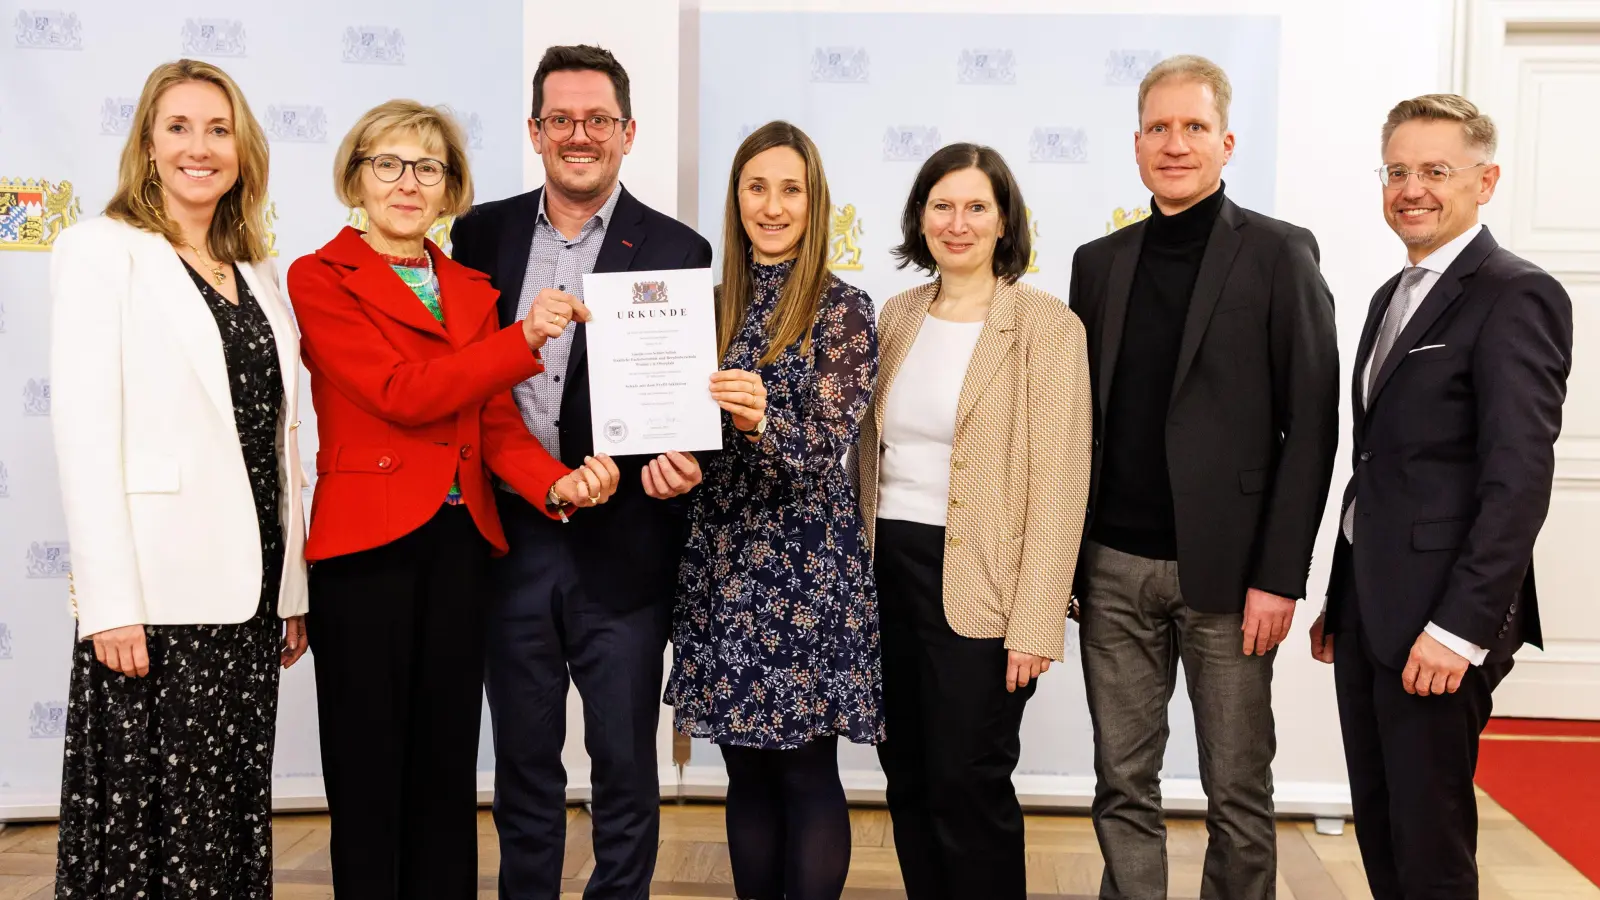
point(1440, 259)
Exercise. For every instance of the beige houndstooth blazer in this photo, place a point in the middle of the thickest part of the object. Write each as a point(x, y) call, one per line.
point(1019, 467)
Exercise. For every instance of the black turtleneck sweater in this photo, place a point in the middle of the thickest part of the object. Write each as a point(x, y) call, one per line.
point(1133, 512)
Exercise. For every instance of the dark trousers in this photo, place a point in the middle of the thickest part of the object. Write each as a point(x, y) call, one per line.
point(397, 635)
point(1411, 761)
point(1135, 629)
point(544, 633)
point(953, 732)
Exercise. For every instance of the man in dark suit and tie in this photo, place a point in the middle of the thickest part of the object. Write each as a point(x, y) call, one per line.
point(586, 601)
point(1216, 382)
point(1457, 391)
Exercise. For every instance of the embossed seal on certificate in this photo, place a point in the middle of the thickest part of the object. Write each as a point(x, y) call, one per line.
point(616, 431)
point(649, 292)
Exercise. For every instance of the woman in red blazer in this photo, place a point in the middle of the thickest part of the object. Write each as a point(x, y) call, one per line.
point(411, 379)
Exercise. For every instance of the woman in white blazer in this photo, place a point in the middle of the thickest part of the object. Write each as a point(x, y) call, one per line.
point(175, 365)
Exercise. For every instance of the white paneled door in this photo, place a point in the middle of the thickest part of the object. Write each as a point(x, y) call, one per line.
point(1535, 68)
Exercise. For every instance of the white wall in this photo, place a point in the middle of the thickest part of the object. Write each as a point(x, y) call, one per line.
point(1331, 108)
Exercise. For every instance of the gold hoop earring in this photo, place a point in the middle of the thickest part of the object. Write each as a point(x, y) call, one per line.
point(141, 194)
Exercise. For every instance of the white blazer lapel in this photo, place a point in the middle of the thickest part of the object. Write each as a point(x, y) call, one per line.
point(165, 279)
point(263, 283)
point(265, 290)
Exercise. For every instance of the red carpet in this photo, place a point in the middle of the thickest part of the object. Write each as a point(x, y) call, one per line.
point(1547, 774)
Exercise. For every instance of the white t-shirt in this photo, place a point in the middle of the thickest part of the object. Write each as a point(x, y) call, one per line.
point(919, 422)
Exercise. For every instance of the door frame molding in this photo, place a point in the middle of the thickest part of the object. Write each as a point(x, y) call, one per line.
point(1544, 683)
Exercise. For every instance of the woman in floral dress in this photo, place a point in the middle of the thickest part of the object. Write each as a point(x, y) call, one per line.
point(776, 626)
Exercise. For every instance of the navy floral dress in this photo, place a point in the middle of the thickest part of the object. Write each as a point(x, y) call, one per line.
point(776, 627)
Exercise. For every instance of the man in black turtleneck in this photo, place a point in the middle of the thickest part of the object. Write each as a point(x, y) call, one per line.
point(1215, 366)
point(1134, 514)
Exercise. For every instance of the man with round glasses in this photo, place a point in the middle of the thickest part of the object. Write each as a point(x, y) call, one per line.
point(1459, 379)
point(588, 601)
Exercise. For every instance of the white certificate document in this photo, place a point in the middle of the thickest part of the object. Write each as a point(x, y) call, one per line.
point(652, 348)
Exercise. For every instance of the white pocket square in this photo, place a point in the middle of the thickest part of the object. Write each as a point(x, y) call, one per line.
point(1420, 349)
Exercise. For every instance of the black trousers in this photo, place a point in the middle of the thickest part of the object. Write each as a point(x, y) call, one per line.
point(1411, 762)
point(954, 732)
point(397, 635)
point(546, 633)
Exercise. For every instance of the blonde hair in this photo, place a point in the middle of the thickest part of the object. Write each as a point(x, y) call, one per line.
point(1190, 68)
point(238, 230)
point(795, 315)
point(1478, 128)
point(433, 126)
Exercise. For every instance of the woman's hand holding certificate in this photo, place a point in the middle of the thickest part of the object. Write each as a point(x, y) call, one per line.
point(744, 396)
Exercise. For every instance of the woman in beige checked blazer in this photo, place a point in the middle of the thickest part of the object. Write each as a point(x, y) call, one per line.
point(974, 468)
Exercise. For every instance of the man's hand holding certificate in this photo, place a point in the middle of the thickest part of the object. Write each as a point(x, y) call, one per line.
point(652, 340)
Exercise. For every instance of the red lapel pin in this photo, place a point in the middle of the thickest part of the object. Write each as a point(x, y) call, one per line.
point(628, 244)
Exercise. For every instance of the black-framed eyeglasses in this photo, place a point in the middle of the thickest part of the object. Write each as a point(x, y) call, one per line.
point(598, 127)
point(390, 168)
point(1432, 176)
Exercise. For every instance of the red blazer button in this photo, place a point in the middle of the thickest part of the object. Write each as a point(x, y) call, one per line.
point(384, 462)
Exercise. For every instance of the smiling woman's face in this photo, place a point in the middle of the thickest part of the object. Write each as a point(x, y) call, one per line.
point(401, 211)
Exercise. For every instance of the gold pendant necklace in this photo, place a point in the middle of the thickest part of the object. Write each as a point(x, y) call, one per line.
point(216, 269)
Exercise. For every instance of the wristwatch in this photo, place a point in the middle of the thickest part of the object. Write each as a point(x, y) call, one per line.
point(553, 501)
point(758, 431)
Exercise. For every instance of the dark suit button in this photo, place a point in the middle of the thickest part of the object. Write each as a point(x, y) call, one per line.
point(1366, 455)
point(1513, 610)
point(556, 378)
point(466, 451)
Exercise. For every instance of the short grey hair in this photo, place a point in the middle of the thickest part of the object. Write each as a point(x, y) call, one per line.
point(1478, 128)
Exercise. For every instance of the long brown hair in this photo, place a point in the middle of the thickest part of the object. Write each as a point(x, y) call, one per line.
point(796, 313)
point(238, 228)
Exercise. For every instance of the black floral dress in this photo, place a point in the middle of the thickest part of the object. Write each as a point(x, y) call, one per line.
point(167, 781)
point(775, 630)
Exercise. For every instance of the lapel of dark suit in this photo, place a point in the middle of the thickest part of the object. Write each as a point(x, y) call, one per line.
point(1369, 336)
point(516, 242)
point(1441, 298)
point(1114, 312)
point(1221, 248)
point(624, 236)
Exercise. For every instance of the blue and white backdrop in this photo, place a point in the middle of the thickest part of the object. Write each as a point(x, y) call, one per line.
point(70, 75)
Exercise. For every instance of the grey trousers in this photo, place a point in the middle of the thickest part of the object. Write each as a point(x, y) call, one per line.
point(1135, 629)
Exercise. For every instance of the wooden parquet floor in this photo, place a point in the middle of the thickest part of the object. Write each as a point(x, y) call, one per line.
point(1063, 859)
